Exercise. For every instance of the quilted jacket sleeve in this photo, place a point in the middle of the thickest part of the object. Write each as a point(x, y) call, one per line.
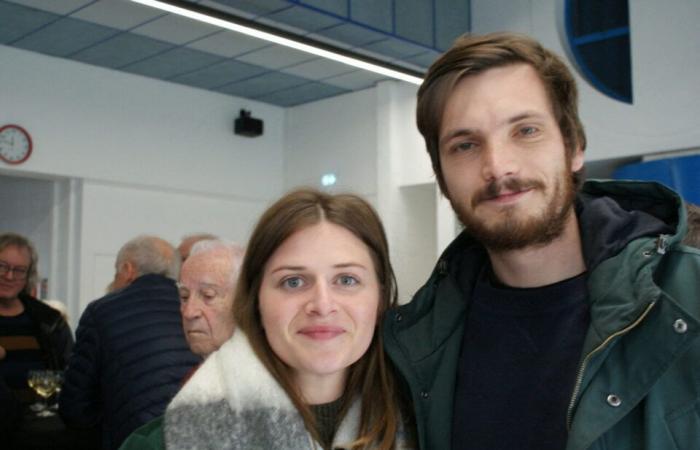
point(80, 404)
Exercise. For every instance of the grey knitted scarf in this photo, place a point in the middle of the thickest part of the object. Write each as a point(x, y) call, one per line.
point(232, 402)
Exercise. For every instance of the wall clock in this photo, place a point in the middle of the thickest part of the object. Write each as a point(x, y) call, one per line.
point(15, 144)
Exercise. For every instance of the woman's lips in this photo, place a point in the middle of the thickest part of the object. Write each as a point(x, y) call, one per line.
point(321, 332)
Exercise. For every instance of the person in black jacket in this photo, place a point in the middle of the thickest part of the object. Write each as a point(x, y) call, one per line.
point(130, 353)
point(32, 334)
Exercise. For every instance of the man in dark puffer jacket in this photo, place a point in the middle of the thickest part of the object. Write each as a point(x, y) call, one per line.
point(130, 354)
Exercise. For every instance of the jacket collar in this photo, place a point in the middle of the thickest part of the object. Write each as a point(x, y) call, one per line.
point(626, 226)
point(611, 214)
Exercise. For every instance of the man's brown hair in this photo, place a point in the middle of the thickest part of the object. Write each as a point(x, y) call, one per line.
point(471, 55)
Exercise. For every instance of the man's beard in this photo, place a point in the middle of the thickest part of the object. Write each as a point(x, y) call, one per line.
point(513, 228)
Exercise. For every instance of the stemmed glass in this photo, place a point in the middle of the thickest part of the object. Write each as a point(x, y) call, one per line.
point(45, 383)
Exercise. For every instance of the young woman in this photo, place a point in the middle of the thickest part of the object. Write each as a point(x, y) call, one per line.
point(305, 368)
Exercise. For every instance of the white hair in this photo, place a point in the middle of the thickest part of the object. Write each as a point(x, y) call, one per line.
point(234, 251)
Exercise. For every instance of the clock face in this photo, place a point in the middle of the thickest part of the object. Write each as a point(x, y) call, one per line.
point(15, 144)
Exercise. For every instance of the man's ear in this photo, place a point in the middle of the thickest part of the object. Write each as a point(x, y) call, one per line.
point(130, 272)
point(577, 159)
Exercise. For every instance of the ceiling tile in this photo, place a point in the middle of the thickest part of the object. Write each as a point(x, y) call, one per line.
point(424, 60)
point(228, 44)
point(219, 74)
point(303, 18)
point(414, 21)
point(452, 19)
point(257, 7)
point(375, 13)
point(318, 68)
point(263, 84)
point(395, 48)
point(121, 50)
point(302, 94)
point(61, 7)
point(137, 39)
point(17, 21)
point(175, 29)
point(352, 34)
point(121, 15)
point(337, 7)
point(359, 79)
point(172, 63)
point(275, 57)
point(65, 37)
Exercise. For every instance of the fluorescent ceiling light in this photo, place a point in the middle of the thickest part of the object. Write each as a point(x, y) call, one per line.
point(277, 39)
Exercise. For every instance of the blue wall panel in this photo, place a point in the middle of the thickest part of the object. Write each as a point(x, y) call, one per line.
point(682, 174)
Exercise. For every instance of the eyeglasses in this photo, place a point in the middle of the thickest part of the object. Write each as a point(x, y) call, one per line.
point(18, 272)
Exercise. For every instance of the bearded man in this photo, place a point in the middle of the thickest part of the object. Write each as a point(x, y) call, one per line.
point(563, 317)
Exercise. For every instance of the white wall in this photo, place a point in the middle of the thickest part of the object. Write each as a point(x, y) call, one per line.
point(93, 123)
point(128, 211)
point(665, 63)
point(144, 156)
point(336, 135)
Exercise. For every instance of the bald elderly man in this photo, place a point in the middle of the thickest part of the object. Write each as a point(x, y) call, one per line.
point(207, 286)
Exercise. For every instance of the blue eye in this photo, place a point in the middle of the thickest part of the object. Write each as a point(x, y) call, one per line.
point(347, 280)
point(293, 282)
point(528, 131)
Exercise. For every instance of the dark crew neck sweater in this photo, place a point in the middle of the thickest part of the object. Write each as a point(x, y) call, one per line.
point(518, 364)
point(327, 417)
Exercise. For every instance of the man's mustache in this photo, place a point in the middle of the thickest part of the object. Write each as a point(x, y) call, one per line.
point(496, 187)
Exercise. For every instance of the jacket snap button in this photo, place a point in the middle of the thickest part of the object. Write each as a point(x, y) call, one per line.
point(425, 395)
point(442, 267)
point(398, 317)
point(614, 401)
point(647, 253)
point(680, 326)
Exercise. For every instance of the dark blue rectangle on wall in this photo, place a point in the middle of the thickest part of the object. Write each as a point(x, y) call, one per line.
point(681, 174)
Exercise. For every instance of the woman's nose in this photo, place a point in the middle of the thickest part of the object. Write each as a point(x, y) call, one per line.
point(321, 301)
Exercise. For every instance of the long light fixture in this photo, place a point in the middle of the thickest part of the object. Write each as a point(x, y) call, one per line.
point(248, 27)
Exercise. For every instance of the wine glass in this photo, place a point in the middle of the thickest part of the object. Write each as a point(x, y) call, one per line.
point(45, 383)
point(59, 382)
point(32, 377)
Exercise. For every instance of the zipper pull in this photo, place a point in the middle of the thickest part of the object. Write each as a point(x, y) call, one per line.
point(662, 244)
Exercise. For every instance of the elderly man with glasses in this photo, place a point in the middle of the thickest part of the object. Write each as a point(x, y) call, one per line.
point(32, 334)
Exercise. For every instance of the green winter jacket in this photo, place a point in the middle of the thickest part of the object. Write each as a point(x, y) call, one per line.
point(638, 385)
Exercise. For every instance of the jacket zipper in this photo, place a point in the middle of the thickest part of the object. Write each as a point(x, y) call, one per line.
point(582, 369)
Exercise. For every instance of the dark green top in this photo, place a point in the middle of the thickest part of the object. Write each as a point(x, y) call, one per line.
point(327, 417)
